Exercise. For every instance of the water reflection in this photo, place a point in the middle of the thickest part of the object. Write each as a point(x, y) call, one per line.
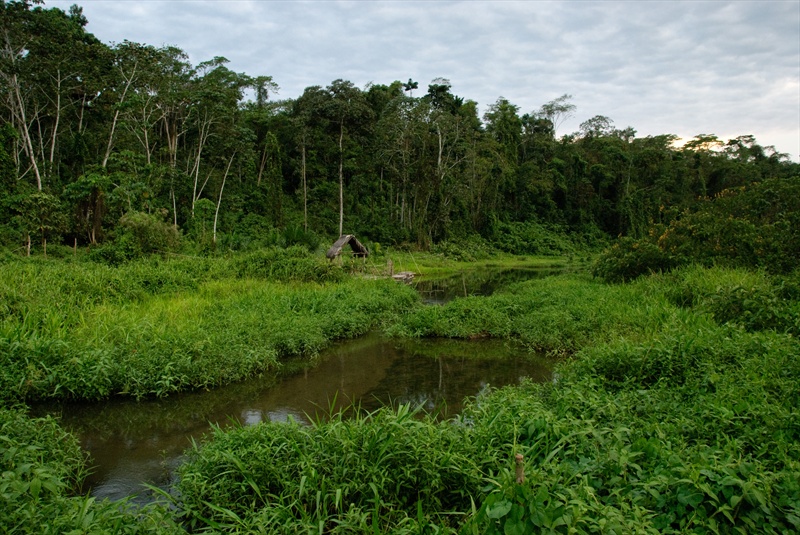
point(132, 443)
point(477, 282)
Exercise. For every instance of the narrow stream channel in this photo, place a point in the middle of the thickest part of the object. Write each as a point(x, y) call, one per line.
point(131, 443)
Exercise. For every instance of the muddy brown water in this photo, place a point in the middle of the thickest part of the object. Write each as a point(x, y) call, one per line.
point(134, 443)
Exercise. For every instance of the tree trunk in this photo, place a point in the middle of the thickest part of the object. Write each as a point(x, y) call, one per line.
point(58, 119)
point(341, 178)
point(205, 129)
point(22, 121)
point(110, 144)
point(305, 190)
point(263, 164)
point(219, 200)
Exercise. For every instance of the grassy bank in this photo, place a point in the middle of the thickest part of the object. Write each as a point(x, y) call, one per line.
point(429, 264)
point(676, 409)
point(671, 415)
point(42, 466)
point(82, 330)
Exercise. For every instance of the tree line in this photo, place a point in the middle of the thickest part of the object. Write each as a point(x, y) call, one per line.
point(99, 139)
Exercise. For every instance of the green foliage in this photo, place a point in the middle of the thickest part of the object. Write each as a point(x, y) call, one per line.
point(685, 433)
point(676, 411)
point(628, 259)
point(750, 226)
point(139, 234)
point(412, 169)
point(558, 314)
point(154, 327)
point(202, 224)
point(296, 236)
point(291, 264)
point(531, 238)
point(749, 299)
point(148, 233)
point(42, 467)
point(388, 471)
point(600, 461)
point(466, 250)
point(666, 423)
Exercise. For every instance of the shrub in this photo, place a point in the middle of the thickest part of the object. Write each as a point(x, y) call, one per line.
point(754, 226)
point(628, 259)
point(465, 250)
point(138, 235)
point(42, 467)
point(148, 233)
point(531, 238)
point(291, 264)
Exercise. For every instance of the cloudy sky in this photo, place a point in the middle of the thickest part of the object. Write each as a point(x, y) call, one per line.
point(686, 67)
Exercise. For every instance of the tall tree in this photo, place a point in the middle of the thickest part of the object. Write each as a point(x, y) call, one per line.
point(348, 110)
point(557, 110)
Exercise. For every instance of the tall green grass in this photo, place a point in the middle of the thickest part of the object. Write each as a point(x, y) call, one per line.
point(667, 418)
point(677, 411)
point(42, 466)
point(558, 314)
point(387, 471)
point(153, 328)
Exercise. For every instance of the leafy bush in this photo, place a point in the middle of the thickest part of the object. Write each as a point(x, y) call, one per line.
point(531, 238)
point(465, 250)
point(754, 226)
point(42, 467)
point(296, 236)
point(628, 259)
point(149, 233)
point(291, 264)
point(138, 234)
point(750, 299)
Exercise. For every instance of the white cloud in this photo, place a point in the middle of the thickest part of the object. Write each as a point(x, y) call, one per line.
point(729, 68)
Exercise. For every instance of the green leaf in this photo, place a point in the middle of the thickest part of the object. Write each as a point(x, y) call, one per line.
point(36, 487)
point(499, 509)
point(690, 498)
point(514, 526)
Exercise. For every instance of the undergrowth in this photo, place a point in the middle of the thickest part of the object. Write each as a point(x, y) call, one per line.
point(42, 466)
point(85, 331)
point(666, 418)
point(675, 410)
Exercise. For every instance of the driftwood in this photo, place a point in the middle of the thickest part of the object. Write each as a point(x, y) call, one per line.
point(357, 247)
point(404, 276)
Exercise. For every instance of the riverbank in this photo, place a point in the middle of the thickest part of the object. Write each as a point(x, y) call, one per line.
point(675, 409)
point(672, 414)
point(439, 266)
point(151, 328)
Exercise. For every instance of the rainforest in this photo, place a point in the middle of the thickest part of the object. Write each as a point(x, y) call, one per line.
point(163, 229)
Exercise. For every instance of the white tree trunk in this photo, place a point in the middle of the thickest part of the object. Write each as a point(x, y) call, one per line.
point(219, 200)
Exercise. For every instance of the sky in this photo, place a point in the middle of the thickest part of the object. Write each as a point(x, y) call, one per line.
point(682, 67)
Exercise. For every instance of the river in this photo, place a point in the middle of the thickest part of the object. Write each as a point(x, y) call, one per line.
point(131, 443)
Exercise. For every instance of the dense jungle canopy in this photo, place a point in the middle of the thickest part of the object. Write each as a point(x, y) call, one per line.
point(102, 141)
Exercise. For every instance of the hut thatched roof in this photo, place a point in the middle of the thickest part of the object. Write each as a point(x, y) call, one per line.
point(357, 247)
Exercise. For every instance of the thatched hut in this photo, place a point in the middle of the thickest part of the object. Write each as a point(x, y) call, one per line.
point(357, 247)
